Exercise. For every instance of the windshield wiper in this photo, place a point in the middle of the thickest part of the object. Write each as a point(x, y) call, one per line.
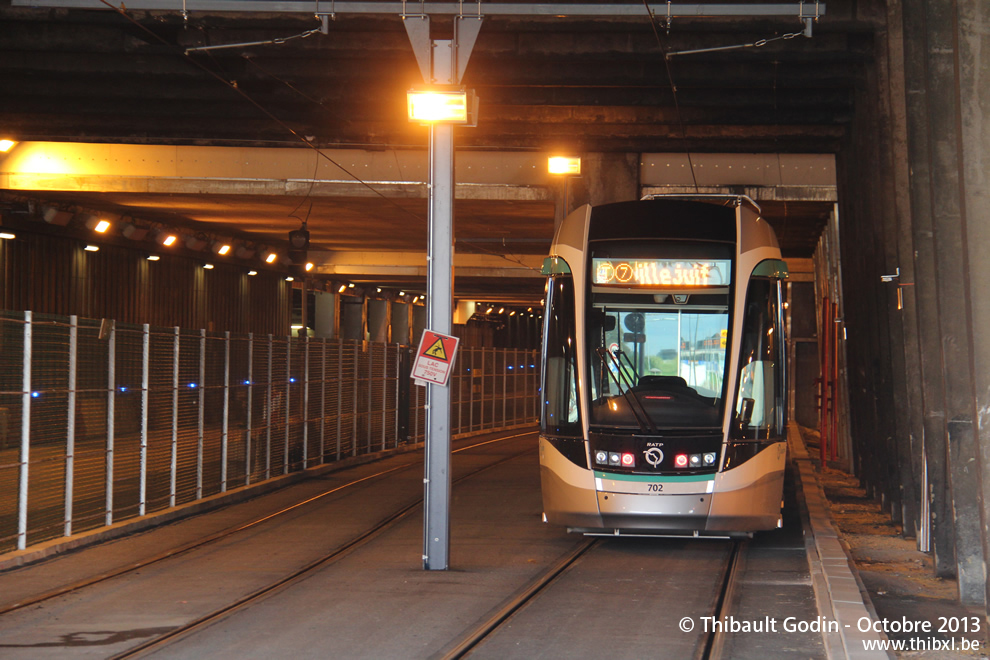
point(646, 426)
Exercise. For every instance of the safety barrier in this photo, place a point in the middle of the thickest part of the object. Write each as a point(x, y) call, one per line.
point(101, 422)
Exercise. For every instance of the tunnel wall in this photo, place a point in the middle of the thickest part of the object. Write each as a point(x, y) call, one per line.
point(915, 229)
point(52, 274)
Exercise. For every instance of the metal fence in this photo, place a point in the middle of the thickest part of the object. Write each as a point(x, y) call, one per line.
point(100, 422)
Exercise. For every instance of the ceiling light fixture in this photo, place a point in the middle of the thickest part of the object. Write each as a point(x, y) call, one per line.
point(92, 248)
point(270, 259)
point(564, 165)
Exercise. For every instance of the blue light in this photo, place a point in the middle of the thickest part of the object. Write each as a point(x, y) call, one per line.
point(123, 389)
point(192, 385)
point(511, 367)
point(292, 380)
point(247, 382)
point(35, 395)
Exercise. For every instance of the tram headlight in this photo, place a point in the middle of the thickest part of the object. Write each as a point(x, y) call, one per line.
point(709, 458)
point(614, 458)
point(601, 457)
point(694, 460)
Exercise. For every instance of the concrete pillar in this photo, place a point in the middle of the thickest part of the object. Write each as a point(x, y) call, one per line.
point(973, 69)
point(890, 99)
point(378, 320)
point(909, 402)
point(935, 97)
point(953, 292)
point(939, 528)
point(400, 324)
point(325, 316)
point(418, 322)
point(353, 324)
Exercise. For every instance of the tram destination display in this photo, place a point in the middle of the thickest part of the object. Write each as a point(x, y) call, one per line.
point(661, 272)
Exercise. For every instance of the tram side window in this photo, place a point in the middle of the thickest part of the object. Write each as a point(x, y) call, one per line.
point(759, 410)
point(560, 402)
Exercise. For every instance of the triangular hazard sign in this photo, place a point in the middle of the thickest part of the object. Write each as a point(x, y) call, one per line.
point(436, 350)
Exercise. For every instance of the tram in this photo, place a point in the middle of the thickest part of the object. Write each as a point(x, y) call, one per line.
point(663, 393)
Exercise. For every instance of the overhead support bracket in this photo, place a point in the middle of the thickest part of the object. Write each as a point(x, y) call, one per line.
point(418, 30)
point(466, 29)
point(548, 10)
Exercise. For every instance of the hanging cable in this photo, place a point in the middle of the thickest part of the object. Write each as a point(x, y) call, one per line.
point(756, 44)
point(673, 89)
point(270, 42)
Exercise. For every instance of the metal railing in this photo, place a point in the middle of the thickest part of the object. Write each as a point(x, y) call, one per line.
point(101, 422)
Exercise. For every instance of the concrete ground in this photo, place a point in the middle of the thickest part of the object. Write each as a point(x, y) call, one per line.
point(899, 579)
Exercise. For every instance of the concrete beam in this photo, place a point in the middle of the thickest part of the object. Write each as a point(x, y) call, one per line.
point(64, 166)
point(413, 264)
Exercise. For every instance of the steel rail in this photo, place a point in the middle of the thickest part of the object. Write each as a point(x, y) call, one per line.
point(222, 534)
point(489, 625)
point(713, 646)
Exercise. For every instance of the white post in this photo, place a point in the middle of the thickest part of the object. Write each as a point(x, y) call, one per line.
point(174, 458)
point(268, 431)
point(384, 394)
point(305, 411)
point(288, 400)
point(250, 386)
point(201, 385)
point(145, 384)
point(323, 399)
point(354, 400)
point(340, 387)
point(22, 491)
point(70, 423)
point(111, 396)
point(225, 424)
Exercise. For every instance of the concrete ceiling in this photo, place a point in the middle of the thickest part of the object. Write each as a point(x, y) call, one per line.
point(592, 87)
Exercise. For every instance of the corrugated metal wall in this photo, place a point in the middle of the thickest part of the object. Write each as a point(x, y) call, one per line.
point(55, 275)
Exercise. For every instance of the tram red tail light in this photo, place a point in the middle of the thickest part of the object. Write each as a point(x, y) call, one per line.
point(681, 460)
point(628, 460)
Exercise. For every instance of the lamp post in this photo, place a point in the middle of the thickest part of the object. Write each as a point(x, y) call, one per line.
point(442, 63)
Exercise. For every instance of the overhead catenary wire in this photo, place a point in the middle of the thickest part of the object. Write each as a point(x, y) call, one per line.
point(673, 89)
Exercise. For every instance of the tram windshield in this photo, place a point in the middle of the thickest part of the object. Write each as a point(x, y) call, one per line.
point(658, 367)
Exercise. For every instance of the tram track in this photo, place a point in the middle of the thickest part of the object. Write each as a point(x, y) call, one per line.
point(711, 642)
point(224, 534)
point(712, 646)
point(490, 624)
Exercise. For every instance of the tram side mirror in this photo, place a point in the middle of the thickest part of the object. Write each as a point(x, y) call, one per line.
point(746, 413)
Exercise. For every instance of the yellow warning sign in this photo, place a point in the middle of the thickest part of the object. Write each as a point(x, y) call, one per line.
point(434, 358)
point(437, 351)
